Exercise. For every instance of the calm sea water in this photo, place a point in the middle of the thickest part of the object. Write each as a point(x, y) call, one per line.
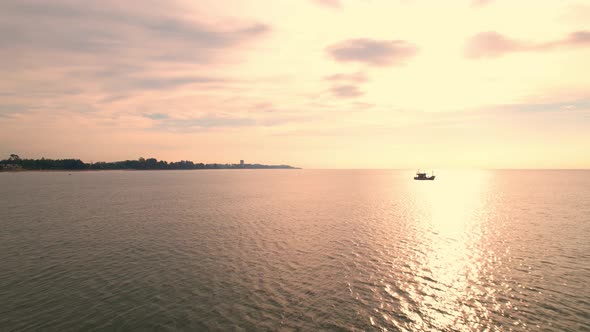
point(295, 250)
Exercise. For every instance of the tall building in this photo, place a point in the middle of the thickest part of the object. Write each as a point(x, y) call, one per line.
point(241, 162)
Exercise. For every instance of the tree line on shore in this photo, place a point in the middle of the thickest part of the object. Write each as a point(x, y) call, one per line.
point(14, 162)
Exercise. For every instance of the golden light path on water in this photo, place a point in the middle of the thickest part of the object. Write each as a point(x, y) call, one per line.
point(450, 213)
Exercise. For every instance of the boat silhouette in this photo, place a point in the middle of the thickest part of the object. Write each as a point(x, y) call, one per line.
point(423, 176)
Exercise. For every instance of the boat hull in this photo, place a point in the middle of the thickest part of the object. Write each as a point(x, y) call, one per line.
point(428, 178)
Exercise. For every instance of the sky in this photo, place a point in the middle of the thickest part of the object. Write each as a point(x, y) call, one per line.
point(310, 83)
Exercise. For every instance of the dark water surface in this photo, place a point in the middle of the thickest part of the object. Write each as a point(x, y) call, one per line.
point(295, 250)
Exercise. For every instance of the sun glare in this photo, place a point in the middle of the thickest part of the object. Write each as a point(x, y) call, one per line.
point(451, 212)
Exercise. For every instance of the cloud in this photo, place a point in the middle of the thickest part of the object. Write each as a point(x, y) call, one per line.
point(156, 116)
point(159, 83)
point(373, 52)
point(219, 121)
point(107, 27)
point(118, 57)
point(579, 37)
point(63, 33)
point(8, 110)
point(346, 85)
point(167, 123)
point(329, 3)
point(557, 106)
point(346, 91)
point(481, 3)
point(358, 77)
point(492, 44)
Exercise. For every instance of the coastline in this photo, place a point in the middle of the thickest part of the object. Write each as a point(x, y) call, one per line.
point(17, 164)
point(141, 170)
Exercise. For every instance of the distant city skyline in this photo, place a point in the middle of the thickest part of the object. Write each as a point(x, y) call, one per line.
point(311, 83)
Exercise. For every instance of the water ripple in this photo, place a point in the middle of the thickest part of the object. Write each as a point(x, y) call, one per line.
point(294, 250)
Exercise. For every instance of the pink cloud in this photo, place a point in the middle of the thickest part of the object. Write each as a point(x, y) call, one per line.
point(359, 77)
point(329, 3)
point(492, 44)
point(346, 91)
point(480, 3)
point(373, 52)
point(119, 32)
point(116, 56)
point(579, 37)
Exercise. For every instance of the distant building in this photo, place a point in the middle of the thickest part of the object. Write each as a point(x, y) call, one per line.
point(241, 162)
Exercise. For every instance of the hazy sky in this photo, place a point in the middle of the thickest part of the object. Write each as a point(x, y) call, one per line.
point(312, 83)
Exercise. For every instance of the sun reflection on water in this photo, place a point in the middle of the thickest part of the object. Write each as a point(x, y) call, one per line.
point(450, 213)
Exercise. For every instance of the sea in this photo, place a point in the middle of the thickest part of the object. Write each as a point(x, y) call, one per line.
point(295, 250)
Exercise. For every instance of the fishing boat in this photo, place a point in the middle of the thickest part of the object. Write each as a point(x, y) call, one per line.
point(423, 176)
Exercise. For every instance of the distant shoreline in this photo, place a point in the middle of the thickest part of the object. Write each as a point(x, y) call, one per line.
point(137, 170)
point(16, 164)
